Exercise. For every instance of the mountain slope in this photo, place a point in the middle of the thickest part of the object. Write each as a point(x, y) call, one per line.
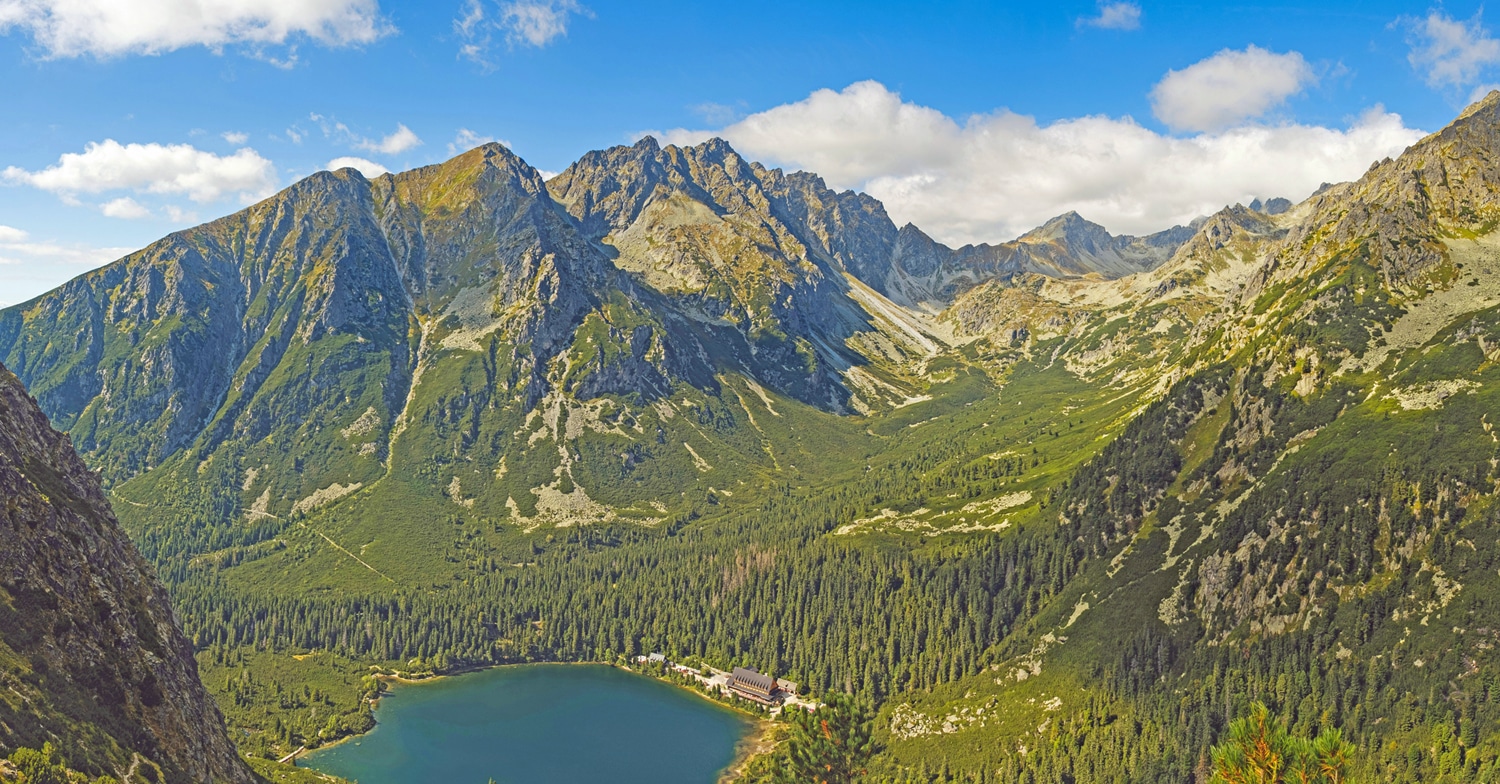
point(90, 651)
point(1063, 505)
point(344, 332)
point(1309, 519)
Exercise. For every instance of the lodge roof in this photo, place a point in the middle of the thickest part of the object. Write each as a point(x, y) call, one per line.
point(753, 679)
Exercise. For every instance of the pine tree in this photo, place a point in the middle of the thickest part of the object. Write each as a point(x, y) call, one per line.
point(1260, 750)
point(831, 745)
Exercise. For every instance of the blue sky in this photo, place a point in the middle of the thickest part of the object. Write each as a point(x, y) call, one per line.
point(975, 120)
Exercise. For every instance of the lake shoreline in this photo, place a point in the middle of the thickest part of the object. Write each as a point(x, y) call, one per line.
point(759, 739)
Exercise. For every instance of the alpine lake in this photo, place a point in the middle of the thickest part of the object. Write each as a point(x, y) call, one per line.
point(540, 724)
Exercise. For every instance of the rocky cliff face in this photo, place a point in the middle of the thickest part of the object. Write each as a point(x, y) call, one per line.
point(1399, 213)
point(811, 225)
point(722, 236)
point(90, 651)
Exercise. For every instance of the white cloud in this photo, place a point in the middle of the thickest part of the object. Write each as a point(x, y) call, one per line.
point(125, 207)
point(1229, 88)
point(1449, 52)
point(467, 140)
point(522, 23)
point(171, 169)
point(75, 255)
point(1479, 93)
point(110, 28)
point(178, 215)
point(537, 22)
point(990, 177)
point(401, 140)
point(475, 31)
point(368, 168)
point(1115, 16)
point(29, 267)
point(848, 137)
point(398, 142)
point(235, 137)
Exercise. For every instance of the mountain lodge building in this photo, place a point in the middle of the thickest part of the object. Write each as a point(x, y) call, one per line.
point(753, 686)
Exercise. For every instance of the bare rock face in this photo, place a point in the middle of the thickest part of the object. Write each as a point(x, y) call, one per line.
point(90, 652)
point(803, 231)
point(1400, 211)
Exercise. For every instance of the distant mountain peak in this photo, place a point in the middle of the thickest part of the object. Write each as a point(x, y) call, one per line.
point(1274, 206)
point(1070, 227)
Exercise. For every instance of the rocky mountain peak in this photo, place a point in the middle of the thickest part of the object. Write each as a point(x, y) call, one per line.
point(491, 163)
point(1072, 229)
point(1398, 213)
point(1490, 103)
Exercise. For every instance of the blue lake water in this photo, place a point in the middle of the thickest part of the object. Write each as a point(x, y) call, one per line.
point(540, 724)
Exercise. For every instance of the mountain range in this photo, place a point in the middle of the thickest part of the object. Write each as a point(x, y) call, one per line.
point(635, 270)
point(1061, 505)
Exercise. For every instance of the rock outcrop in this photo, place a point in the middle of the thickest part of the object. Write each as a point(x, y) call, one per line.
point(90, 651)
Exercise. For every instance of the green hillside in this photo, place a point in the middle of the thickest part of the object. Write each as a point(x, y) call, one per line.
point(1061, 508)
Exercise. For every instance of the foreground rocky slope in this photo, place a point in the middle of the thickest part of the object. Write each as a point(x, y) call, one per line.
point(90, 652)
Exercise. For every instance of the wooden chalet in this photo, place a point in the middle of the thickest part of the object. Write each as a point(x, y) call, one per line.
point(753, 686)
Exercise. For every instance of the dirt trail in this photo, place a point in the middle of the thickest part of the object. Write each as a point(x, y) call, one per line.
point(341, 549)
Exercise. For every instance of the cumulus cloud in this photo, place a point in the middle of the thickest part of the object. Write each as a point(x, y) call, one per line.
point(1229, 88)
point(368, 168)
point(124, 207)
point(534, 23)
point(1115, 16)
point(467, 140)
point(235, 137)
point(398, 142)
point(849, 137)
point(990, 177)
point(110, 28)
point(1449, 52)
point(162, 169)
